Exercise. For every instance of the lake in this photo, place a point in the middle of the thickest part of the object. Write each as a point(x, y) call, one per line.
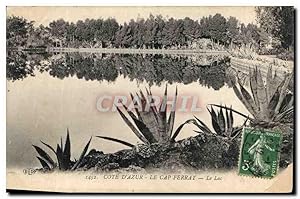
point(48, 93)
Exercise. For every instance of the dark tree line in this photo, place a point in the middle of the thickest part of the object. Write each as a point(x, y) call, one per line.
point(157, 32)
point(154, 32)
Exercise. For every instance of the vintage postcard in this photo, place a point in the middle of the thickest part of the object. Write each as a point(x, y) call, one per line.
point(150, 99)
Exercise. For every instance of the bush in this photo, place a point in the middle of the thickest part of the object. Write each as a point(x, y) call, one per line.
point(287, 55)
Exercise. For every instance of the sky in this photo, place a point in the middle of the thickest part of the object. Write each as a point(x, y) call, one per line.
point(44, 15)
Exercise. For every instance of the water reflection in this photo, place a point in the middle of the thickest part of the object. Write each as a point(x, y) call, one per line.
point(20, 65)
point(209, 71)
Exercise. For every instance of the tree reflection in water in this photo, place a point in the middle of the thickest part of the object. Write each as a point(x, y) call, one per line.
point(208, 70)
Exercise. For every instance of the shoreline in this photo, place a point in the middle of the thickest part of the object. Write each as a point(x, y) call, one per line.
point(136, 51)
point(282, 67)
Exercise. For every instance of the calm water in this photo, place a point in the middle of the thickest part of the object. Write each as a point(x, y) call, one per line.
point(46, 94)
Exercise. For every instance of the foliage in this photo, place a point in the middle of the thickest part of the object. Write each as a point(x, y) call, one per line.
point(16, 67)
point(270, 103)
point(154, 32)
point(17, 29)
point(279, 22)
point(222, 124)
point(215, 27)
point(63, 155)
point(287, 55)
point(150, 124)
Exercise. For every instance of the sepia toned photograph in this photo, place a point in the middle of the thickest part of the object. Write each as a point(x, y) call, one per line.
point(150, 99)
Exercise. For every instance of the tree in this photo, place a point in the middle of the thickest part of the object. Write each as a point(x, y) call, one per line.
point(106, 31)
point(218, 28)
point(39, 36)
point(150, 31)
point(278, 22)
point(71, 33)
point(215, 28)
point(287, 28)
point(232, 30)
point(17, 31)
point(59, 28)
point(124, 36)
point(160, 24)
point(191, 29)
point(172, 33)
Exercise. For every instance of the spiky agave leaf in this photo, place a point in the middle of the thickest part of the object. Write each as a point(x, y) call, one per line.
point(50, 147)
point(142, 129)
point(132, 127)
point(272, 83)
point(135, 101)
point(202, 126)
point(159, 120)
point(171, 119)
point(221, 121)
point(180, 128)
point(286, 109)
point(229, 131)
point(268, 82)
point(145, 131)
point(241, 98)
point(273, 103)
point(262, 98)
point(250, 101)
point(287, 113)
point(151, 125)
point(149, 119)
point(44, 155)
point(116, 140)
point(290, 103)
point(231, 109)
point(214, 120)
point(163, 106)
point(287, 102)
point(229, 121)
point(236, 132)
point(67, 149)
point(79, 161)
point(60, 158)
point(151, 100)
point(61, 144)
point(265, 101)
point(253, 86)
point(130, 113)
point(162, 113)
point(283, 92)
point(43, 163)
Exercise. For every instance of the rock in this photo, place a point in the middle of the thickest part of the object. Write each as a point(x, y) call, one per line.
point(286, 155)
point(202, 152)
point(110, 166)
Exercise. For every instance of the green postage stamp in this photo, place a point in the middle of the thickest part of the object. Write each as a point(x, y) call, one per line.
point(259, 156)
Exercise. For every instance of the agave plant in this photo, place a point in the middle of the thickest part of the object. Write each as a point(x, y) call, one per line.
point(150, 125)
point(222, 124)
point(270, 103)
point(63, 155)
